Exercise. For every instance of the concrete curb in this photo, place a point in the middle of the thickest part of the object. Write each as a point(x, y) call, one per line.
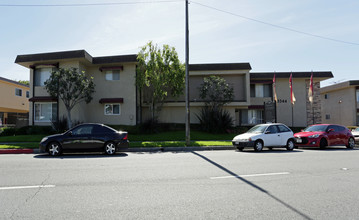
point(146, 150)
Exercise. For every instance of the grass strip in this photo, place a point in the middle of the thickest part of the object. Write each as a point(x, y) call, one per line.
point(163, 136)
point(20, 146)
point(145, 144)
point(150, 144)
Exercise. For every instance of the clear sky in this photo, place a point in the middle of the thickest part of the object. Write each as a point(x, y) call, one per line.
point(221, 31)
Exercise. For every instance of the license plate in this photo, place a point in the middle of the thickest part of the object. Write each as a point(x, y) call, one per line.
point(299, 140)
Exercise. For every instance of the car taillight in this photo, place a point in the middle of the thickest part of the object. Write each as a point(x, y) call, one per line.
point(126, 136)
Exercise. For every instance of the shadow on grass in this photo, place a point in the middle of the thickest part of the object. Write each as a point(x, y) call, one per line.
point(303, 215)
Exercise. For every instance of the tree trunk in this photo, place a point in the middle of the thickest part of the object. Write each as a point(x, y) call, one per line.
point(69, 121)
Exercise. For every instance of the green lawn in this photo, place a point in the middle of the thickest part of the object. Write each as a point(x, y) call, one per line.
point(164, 139)
point(133, 144)
point(22, 138)
point(20, 146)
point(163, 136)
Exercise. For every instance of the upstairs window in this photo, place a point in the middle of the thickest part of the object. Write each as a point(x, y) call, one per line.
point(261, 90)
point(112, 75)
point(27, 94)
point(41, 75)
point(357, 95)
point(18, 92)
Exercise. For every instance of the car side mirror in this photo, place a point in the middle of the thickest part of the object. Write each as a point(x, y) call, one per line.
point(330, 130)
point(69, 133)
point(267, 132)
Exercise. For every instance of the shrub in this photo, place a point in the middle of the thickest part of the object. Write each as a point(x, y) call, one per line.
point(29, 130)
point(215, 120)
point(150, 126)
point(8, 131)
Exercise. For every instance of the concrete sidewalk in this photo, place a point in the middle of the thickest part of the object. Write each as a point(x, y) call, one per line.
point(144, 149)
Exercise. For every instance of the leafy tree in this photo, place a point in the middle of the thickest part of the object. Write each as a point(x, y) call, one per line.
point(160, 73)
point(25, 82)
point(216, 92)
point(72, 87)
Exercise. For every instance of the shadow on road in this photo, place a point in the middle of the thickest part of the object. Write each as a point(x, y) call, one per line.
point(268, 151)
point(79, 156)
point(252, 185)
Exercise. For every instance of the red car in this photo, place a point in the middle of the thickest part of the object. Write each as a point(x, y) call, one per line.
point(323, 135)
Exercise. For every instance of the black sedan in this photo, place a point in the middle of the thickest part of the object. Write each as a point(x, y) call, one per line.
point(85, 137)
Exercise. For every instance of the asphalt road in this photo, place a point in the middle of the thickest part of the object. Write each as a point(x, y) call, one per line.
point(302, 184)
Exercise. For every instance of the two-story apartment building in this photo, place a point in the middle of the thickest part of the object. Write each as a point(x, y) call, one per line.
point(117, 101)
point(340, 103)
point(14, 103)
point(114, 101)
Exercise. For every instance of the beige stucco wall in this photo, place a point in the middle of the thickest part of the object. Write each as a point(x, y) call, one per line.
point(9, 102)
point(284, 106)
point(174, 111)
point(340, 106)
point(123, 88)
point(94, 111)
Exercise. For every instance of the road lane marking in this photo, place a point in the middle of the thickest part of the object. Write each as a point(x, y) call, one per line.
point(250, 175)
point(26, 187)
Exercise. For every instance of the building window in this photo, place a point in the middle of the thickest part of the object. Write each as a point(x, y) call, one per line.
point(18, 92)
point(357, 95)
point(252, 116)
point(326, 96)
point(327, 117)
point(41, 75)
point(27, 94)
point(45, 111)
point(112, 109)
point(261, 90)
point(112, 75)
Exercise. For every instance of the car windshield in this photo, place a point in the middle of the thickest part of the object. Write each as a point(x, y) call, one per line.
point(357, 129)
point(257, 129)
point(316, 128)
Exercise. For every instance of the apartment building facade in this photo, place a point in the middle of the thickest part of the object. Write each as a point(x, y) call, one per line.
point(118, 102)
point(340, 103)
point(14, 103)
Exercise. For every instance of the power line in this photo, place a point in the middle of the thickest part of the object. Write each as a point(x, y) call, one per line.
point(274, 25)
point(89, 4)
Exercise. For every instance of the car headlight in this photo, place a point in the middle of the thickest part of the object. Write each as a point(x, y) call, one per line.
point(314, 136)
point(44, 139)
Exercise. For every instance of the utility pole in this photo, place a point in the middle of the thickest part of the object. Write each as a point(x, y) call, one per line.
point(188, 138)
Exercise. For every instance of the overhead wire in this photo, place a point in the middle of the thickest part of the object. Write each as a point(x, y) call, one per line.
point(274, 25)
point(171, 1)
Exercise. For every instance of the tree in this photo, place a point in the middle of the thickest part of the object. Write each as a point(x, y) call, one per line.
point(25, 82)
point(215, 92)
point(71, 86)
point(160, 73)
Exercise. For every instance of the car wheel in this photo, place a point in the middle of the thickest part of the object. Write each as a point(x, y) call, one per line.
point(258, 146)
point(110, 148)
point(351, 143)
point(54, 149)
point(240, 148)
point(290, 145)
point(323, 144)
